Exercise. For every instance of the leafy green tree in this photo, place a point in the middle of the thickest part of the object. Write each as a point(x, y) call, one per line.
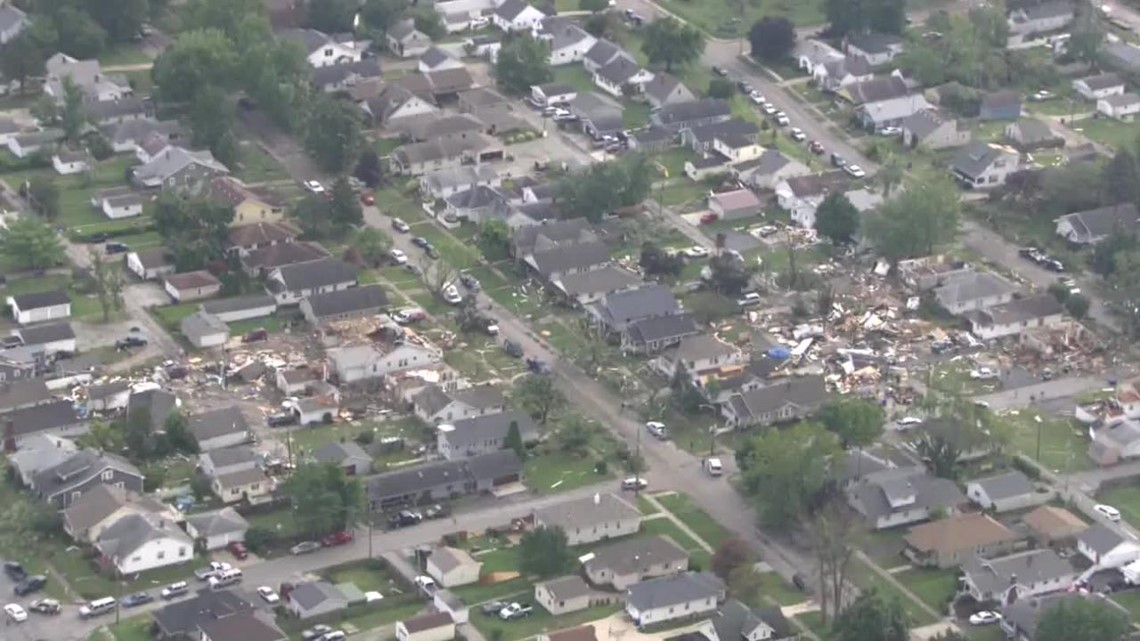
point(1122, 178)
point(729, 275)
point(378, 15)
point(602, 188)
point(593, 6)
point(103, 275)
point(574, 436)
point(75, 32)
point(924, 217)
point(313, 217)
point(856, 422)
point(522, 63)
point(428, 21)
point(671, 42)
point(334, 136)
point(873, 617)
point(1083, 618)
point(179, 438)
point(22, 58)
point(721, 88)
point(324, 499)
point(121, 19)
point(891, 173)
point(1087, 37)
point(231, 17)
point(332, 16)
point(939, 454)
point(211, 122)
point(371, 244)
point(836, 219)
point(201, 488)
point(368, 168)
point(194, 231)
point(1077, 305)
point(345, 207)
point(732, 553)
point(539, 396)
point(789, 468)
point(772, 38)
point(514, 440)
point(72, 117)
point(30, 243)
point(545, 552)
point(657, 262)
point(494, 239)
point(44, 197)
point(198, 59)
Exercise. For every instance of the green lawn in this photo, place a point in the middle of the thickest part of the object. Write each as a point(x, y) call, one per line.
point(366, 576)
point(1063, 443)
point(75, 191)
point(775, 587)
point(133, 629)
point(1107, 131)
point(539, 622)
point(124, 55)
point(519, 588)
point(172, 315)
point(865, 578)
point(725, 18)
point(668, 528)
point(680, 192)
point(645, 506)
point(558, 472)
point(1128, 600)
point(697, 519)
point(813, 621)
point(258, 166)
point(574, 75)
point(1126, 499)
point(935, 587)
point(274, 324)
point(635, 115)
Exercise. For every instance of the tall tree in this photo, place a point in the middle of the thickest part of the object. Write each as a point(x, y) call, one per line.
point(833, 533)
point(886, 16)
point(545, 551)
point(368, 168)
point(332, 16)
point(1082, 618)
point(1087, 37)
point(428, 21)
point(837, 219)
point(313, 217)
point(602, 188)
point(924, 217)
point(324, 499)
point(940, 455)
point(539, 396)
point(514, 440)
point(198, 59)
point(371, 245)
point(44, 197)
point(574, 435)
point(891, 173)
point(72, 117)
point(22, 58)
point(345, 207)
point(122, 19)
point(522, 63)
point(873, 617)
point(194, 231)
point(494, 239)
point(378, 15)
point(211, 122)
point(31, 244)
point(772, 39)
point(334, 137)
point(1122, 178)
point(731, 554)
point(103, 274)
point(856, 422)
point(671, 42)
point(789, 469)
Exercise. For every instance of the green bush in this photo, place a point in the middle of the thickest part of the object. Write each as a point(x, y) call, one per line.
point(258, 539)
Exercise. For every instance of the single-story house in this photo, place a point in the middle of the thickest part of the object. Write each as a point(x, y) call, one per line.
point(930, 130)
point(973, 290)
point(788, 400)
point(435, 405)
point(1092, 226)
point(673, 598)
point(735, 205)
point(218, 528)
point(591, 519)
point(736, 621)
point(1031, 133)
point(119, 202)
point(204, 330)
point(982, 165)
point(947, 542)
point(586, 288)
point(768, 170)
point(248, 485)
point(1049, 524)
point(102, 505)
point(138, 543)
point(1000, 105)
point(1122, 107)
point(345, 304)
point(50, 338)
point(290, 284)
point(38, 307)
point(435, 626)
point(218, 428)
point(1017, 576)
point(190, 286)
point(652, 335)
point(633, 560)
point(239, 308)
point(564, 595)
point(874, 48)
point(150, 264)
point(1107, 547)
point(443, 480)
point(315, 598)
point(365, 362)
point(69, 161)
point(1099, 86)
point(1004, 492)
point(478, 435)
point(349, 457)
point(452, 567)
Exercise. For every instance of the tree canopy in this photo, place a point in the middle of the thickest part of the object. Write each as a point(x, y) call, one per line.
point(31, 243)
point(602, 188)
point(324, 499)
point(194, 230)
point(1082, 618)
point(856, 422)
point(671, 42)
point(522, 63)
point(836, 219)
point(334, 137)
point(873, 617)
point(857, 16)
point(545, 552)
point(924, 217)
point(788, 468)
point(539, 396)
point(772, 38)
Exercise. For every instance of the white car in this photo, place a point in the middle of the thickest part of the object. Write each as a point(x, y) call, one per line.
point(314, 186)
point(983, 374)
point(373, 596)
point(16, 613)
point(908, 422)
point(478, 22)
point(657, 428)
point(451, 295)
point(750, 299)
point(855, 171)
point(695, 252)
point(634, 483)
point(984, 617)
point(425, 583)
point(782, 119)
point(890, 131)
point(1108, 512)
point(399, 225)
point(797, 134)
point(768, 108)
point(756, 98)
point(268, 594)
point(398, 257)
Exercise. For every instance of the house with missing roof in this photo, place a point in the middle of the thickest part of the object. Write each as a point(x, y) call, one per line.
point(591, 519)
point(630, 561)
point(1018, 576)
point(948, 542)
point(901, 496)
point(485, 434)
point(452, 567)
point(674, 598)
point(1090, 227)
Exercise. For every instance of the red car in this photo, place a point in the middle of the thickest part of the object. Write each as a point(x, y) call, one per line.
point(238, 549)
point(709, 218)
point(367, 199)
point(343, 537)
point(816, 147)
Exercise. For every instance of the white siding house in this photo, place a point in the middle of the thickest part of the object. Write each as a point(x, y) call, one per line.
point(39, 307)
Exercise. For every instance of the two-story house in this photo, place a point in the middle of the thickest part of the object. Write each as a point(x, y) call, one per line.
point(478, 435)
point(617, 310)
point(780, 402)
point(178, 169)
point(435, 405)
point(900, 496)
point(982, 165)
point(973, 290)
point(62, 484)
point(290, 284)
point(364, 362)
point(322, 49)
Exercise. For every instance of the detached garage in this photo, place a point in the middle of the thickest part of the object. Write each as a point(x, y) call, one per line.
point(217, 529)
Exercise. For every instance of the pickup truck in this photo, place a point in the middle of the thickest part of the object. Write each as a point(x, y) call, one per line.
point(515, 611)
point(204, 574)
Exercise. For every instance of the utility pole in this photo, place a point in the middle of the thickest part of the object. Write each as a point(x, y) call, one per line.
point(637, 465)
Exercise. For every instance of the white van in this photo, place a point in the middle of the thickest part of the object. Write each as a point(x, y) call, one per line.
point(713, 466)
point(97, 607)
point(225, 578)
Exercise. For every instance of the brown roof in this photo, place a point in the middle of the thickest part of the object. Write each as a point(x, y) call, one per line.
point(230, 191)
point(284, 254)
point(191, 280)
point(964, 532)
point(580, 633)
point(261, 234)
point(1054, 522)
point(151, 258)
point(427, 622)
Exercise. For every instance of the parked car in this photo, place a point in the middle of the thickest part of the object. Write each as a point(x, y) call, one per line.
point(837, 160)
point(492, 608)
point(470, 282)
point(425, 583)
point(116, 248)
point(281, 420)
point(46, 606)
point(267, 594)
point(750, 299)
point(367, 199)
point(136, 599)
point(436, 511)
point(720, 71)
point(797, 134)
point(757, 98)
point(985, 617)
point(420, 241)
point(398, 256)
point(709, 218)
point(451, 295)
point(129, 342)
point(409, 315)
point(890, 131)
point(255, 336)
point(314, 187)
point(210, 570)
point(15, 613)
point(515, 611)
point(15, 571)
point(175, 590)
point(696, 251)
point(782, 119)
point(404, 518)
point(512, 349)
point(431, 252)
point(33, 583)
point(657, 429)
point(855, 171)
point(768, 108)
point(984, 374)
point(399, 225)
point(344, 537)
point(907, 422)
point(1108, 512)
point(815, 147)
point(238, 549)
point(634, 483)
point(305, 547)
point(316, 632)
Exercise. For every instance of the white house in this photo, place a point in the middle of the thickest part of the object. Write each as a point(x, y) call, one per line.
point(52, 338)
point(1015, 317)
point(1123, 106)
point(291, 284)
point(1119, 439)
point(1004, 492)
point(1106, 547)
point(620, 72)
point(435, 405)
point(364, 362)
point(12, 22)
point(25, 144)
point(969, 291)
point(40, 306)
point(590, 519)
point(674, 598)
point(67, 162)
point(323, 50)
point(1017, 576)
point(436, 626)
point(569, 42)
point(150, 264)
point(517, 15)
point(810, 53)
point(118, 202)
point(436, 59)
point(982, 165)
point(1099, 86)
point(800, 196)
point(452, 567)
point(137, 543)
point(204, 330)
point(218, 528)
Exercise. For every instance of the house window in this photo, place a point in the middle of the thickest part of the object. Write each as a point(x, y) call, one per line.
point(182, 551)
point(108, 475)
point(161, 555)
point(328, 52)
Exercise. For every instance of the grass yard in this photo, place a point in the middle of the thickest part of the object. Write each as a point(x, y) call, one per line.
point(124, 55)
point(725, 18)
point(370, 619)
point(75, 190)
point(133, 629)
point(83, 306)
point(366, 576)
point(866, 578)
point(813, 621)
point(674, 160)
point(257, 166)
point(574, 75)
point(539, 622)
point(1108, 132)
point(645, 506)
point(385, 146)
point(393, 203)
point(697, 519)
point(779, 590)
point(172, 315)
point(558, 472)
point(668, 528)
point(1128, 600)
point(935, 587)
point(1062, 442)
point(503, 590)
point(1126, 499)
point(680, 192)
point(635, 115)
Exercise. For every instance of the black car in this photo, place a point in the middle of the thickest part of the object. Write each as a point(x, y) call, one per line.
point(799, 582)
point(512, 349)
point(469, 281)
point(136, 599)
point(404, 518)
point(421, 242)
point(129, 342)
point(281, 420)
point(720, 71)
point(31, 584)
point(15, 571)
point(98, 238)
point(493, 608)
point(744, 87)
point(116, 248)
point(837, 160)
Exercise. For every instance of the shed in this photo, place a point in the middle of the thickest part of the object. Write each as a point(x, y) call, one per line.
point(204, 330)
point(218, 528)
point(435, 626)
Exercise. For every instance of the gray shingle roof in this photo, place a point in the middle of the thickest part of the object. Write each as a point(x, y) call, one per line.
point(448, 558)
point(685, 112)
point(100, 502)
point(923, 123)
point(104, 109)
point(47, 416)
point(1101, 538)
point(877, 90)
point(648, 330)
point(1025, 614)
point(674, 590)
point(348, 301)
point(1005, 486)
point(228, 456)
point(636, 555)
point(804, 391)
point(36, 300)
point(602, 52)
point(973, 159)
point(223, 521)
point(572, 230)
point(11, 17)
point(238, 303)
point(219, 422)
point(873, 43)
point(338, 453)
point(434, 57)
point(323, 272)
point(472, 431)
point(570, 257)
point(875, 494)
point(607, 279)
point(313, 593)
point(184, 617)
point(173, 160)
point(643, 302)
point(619, 70)
point(702, 346)
point(1102, 81)
point(585, 512)
point(125, 536)
point(1033, 131)
point(972, 286)
point(736, 621)
point(1017, 310)
point(201, 323)
point(1034, 566)
point(766, 164)
point(566, 588)
point(247, 626)
point(419, 478)
point(46, 333)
